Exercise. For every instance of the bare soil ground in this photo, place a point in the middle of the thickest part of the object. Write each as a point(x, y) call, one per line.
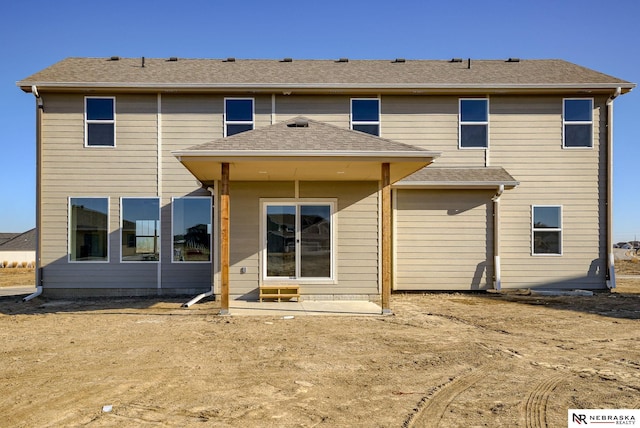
point(446, 360)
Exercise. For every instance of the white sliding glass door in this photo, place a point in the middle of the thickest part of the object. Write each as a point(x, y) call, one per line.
point(298, 240)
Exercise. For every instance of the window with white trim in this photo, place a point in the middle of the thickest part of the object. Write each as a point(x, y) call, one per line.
point(238, 115)
point(191, 229)
point(577, 122)
point(546, 230)
point(365, 115)
point(140, 225)
point(88, 229)
point(99, 121)
point(473, 123)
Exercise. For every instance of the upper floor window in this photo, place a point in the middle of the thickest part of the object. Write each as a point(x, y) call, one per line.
point(365, 115)
point(474, 123)
point(88, 229)
point(577, 119)
point(99, 121)
point(238, 115)
point(140, 229)
point(546, 229)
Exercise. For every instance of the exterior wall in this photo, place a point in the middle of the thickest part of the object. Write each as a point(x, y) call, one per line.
point(332, 109)
point(443, 239)
point(526, 139)
point(430, 122)
point(357, 235)
point(69, 169)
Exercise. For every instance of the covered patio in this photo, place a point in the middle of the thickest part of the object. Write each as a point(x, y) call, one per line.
point(298, 151)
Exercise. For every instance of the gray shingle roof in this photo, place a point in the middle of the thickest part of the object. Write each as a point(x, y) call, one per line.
point(412, 74)
point(4, 237)
point(21, 242)
point(460, 176)
point(316, 137)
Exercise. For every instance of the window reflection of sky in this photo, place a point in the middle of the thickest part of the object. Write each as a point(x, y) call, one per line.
point(546, 217)
point(190, 212)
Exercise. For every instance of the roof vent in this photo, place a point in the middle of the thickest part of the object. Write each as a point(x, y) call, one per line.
point(343, 60)
point(287, 60)
point(299, 123)
point(455, 60)
point(399, 60)
point(173, 59)
point(513, 60)
point(114, 58)
point(230, 59)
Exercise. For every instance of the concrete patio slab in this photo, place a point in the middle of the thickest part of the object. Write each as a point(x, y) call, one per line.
point(324, 307)
point(17, 291)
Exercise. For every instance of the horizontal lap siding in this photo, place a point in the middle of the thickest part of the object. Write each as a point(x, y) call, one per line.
point(332, 109)
point(244, 207)
point(70, 169)
point(429, 122)
point(443, 240)
point(357, 235)
point(186, 120)
point(527, 141)
point(189, 120)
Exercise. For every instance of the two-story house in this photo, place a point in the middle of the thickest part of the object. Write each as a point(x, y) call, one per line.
point(348, 178)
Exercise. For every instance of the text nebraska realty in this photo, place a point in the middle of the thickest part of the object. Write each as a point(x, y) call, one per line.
point(604, 419)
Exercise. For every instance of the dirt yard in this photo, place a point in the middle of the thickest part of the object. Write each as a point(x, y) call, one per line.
point(446, 360)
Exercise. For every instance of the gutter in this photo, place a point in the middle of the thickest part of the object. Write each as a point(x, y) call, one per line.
point(497, 280)
point(406, 184)
point(256, 86)
point(210, 292)
point(329, 154)
point(611, 282)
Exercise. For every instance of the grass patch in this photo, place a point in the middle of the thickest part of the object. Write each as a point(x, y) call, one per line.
point(11, 277)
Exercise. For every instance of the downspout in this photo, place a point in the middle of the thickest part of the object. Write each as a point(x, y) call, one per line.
point(210, 292)
point(497, 280)
point(39, 110)
point(611, 283)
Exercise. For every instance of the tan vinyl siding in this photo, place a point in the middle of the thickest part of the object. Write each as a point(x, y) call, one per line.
point(189, 120)
point(334, 109)
point(357, 235)
point(430, 122)
point(527, 141)
point(245, 212)
point(443, 239)
point(70, 169)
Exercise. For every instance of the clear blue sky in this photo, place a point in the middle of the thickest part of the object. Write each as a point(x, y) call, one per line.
point(601, 35)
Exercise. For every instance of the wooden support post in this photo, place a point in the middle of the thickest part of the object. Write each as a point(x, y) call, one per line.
point(224, 240)
point(386, 238)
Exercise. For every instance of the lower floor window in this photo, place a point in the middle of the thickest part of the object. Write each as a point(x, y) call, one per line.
point(191, 225)
point(88, 229)
point(140, 229)
point(299, 240)
point(546, 229)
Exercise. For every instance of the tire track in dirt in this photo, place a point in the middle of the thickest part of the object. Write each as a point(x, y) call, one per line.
point(432, 407)
point(535, 412)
